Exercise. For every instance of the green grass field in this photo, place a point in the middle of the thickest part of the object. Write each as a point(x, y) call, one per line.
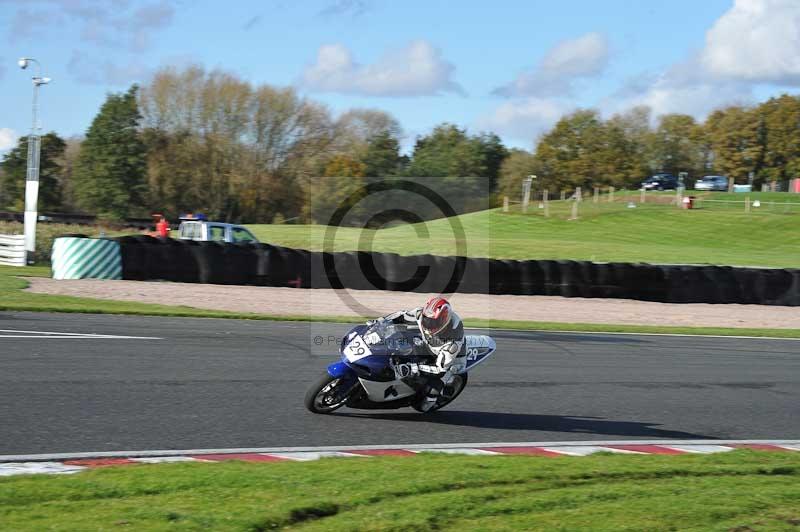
point(717, 233)
point(741, 490)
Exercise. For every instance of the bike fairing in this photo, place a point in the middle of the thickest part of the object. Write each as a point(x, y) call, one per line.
point(383, 366)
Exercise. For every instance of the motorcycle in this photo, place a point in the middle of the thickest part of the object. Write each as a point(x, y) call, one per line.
point(386, 366)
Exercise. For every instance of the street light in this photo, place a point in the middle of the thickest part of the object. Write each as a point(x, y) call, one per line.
point(34, 150)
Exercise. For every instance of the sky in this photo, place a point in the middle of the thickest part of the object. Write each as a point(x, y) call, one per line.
point(511, 67)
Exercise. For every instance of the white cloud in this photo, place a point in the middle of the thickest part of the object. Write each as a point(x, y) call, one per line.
point(8, 138)
point(584, 57)
point(415, 70)
point(90, 71)
point(683, 88)
point(696, 100)
point(116, 23)
point(526, 119)
point(756, 41)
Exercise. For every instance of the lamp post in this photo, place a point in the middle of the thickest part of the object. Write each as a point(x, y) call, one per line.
point(34, 150)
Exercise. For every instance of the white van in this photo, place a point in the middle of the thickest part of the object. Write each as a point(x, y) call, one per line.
point(202, 230)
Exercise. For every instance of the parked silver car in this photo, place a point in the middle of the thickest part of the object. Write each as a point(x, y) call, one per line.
point(203, 230)
point(712, 182)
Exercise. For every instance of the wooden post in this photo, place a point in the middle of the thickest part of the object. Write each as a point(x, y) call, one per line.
point(730, 184)
point(610, 194)
point(578, 194)
point(546, 201)
point(642, 192)
point(505, 203)
point(747, 204)
point(526, 193)
point(596, 194)
point(563, 195)
point(574, 215)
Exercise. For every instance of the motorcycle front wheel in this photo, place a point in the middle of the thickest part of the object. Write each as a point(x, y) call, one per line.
point(326, 395)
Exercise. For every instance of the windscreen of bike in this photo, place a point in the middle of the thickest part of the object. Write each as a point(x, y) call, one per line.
point(395, 338)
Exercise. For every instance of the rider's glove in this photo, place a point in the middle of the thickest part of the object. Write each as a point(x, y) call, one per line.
point(441, 362)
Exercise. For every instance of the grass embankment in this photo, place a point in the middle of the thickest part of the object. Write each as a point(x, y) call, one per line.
point(13, 298)
point(659, 233)
point(741, 490)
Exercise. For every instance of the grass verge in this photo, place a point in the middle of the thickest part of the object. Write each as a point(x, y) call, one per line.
point(740, 490)
point(13, 298)
point(656, 233)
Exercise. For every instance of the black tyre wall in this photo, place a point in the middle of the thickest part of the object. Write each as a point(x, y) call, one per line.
point(145, 257)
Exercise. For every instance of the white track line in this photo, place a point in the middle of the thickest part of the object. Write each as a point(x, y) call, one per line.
point(700, 449)
point(550, 331)
point(305, 456)
point(163, 459)
point(792, 444)
point(14, 333)
point(586, 450)
point(30, 468)
point(465, 450)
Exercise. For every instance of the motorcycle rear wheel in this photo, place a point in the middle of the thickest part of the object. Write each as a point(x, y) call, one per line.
point(460, 382)
point(323, 397)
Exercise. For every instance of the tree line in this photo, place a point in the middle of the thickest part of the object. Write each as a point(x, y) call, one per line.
point(584, 150)
point(197, 141)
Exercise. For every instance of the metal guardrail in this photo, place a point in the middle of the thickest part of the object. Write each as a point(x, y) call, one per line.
point(12, 250)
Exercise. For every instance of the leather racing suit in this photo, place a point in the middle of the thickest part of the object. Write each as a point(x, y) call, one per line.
point(444, 348)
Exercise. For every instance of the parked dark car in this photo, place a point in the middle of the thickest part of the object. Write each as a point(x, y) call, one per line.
point(712, 182)
point(660, 182)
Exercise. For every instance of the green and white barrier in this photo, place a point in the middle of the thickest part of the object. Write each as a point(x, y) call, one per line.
point(12, 250)
point(86, 258)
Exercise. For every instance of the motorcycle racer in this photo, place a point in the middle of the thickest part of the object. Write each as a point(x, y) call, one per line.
point(443, 336)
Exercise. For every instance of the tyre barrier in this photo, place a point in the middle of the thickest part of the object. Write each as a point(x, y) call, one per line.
point(78, 257)
point(149, 258)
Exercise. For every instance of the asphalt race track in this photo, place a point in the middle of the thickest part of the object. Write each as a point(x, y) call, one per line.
point(201, 383)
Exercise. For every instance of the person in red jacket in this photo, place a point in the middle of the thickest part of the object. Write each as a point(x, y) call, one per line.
point(162, 227)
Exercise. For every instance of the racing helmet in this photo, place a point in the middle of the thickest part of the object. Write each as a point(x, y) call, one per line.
point(436, 316)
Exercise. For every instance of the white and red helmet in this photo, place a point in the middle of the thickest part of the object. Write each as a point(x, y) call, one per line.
point(436, 316)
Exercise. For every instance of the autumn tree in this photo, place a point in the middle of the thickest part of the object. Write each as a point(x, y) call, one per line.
point(515, 167)
point(343, 176)
point(736, 136)
point(356, 128)
point(235, 151)
point(781, 118)
point(634, 125)
point(675, 145)
point(567, 154)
